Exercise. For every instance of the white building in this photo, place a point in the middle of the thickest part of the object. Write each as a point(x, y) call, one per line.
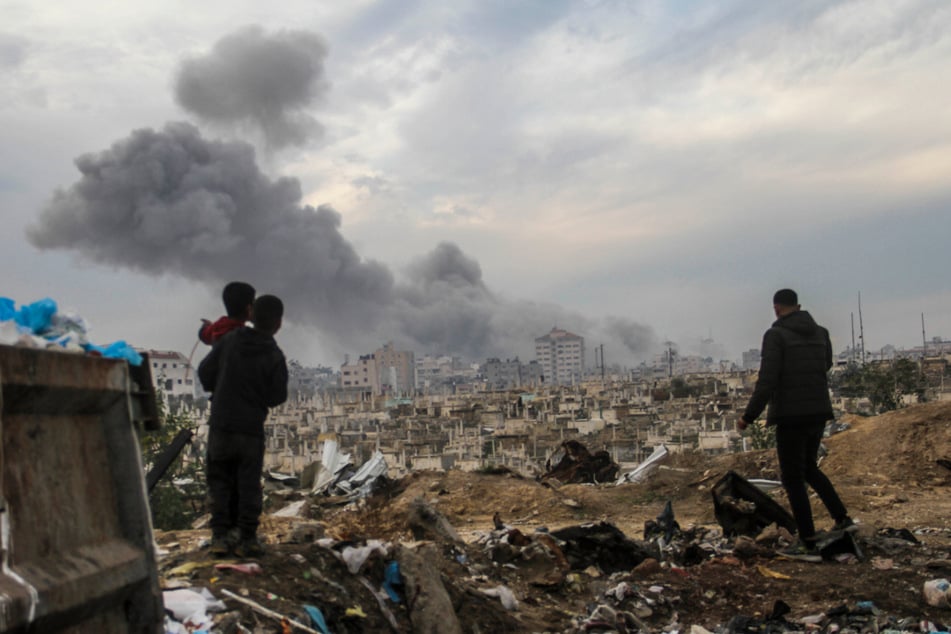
point(561, 356)
point(172, 373)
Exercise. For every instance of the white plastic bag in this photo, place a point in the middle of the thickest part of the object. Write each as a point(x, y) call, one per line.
point(936, 592)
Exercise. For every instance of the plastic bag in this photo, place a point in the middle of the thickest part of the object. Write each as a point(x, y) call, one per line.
point(355, 557)
point(37, 316)
point(936, 592)
point(117, 350)
point(7, 309)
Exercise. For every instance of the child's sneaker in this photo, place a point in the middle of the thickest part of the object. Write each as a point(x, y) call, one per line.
point(801, 552)
point(846, 524)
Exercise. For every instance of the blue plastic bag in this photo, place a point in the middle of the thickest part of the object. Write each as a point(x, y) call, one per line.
point(116, 350)
point(317, 618)
point(392, 579)
point(7, 309)
point(37, 316)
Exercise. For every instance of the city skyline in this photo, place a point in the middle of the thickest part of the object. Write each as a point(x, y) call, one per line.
point(460, 179)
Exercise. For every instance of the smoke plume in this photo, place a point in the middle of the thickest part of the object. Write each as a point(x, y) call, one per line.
point(259, 82)
point(173, 202)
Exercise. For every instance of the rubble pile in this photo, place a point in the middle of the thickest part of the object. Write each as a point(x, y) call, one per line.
point(477, 552)
point(573, 463)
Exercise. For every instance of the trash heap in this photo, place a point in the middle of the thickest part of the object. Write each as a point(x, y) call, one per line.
point(573, 463)
point(410, 557)
point(42, 325)
point(580, 578)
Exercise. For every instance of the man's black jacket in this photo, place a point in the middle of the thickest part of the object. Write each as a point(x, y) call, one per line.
point(796, 358)
point(246, 374)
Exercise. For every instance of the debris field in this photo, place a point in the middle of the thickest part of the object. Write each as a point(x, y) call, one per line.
point(497, 552)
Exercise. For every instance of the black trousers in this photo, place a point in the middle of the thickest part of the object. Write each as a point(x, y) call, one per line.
point(797, 446)
point(233, 470)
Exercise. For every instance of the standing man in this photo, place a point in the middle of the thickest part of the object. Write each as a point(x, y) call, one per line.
point(796, 357)
point(246, 374)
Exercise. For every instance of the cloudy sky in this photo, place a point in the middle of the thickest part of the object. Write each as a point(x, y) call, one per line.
point(461, 177)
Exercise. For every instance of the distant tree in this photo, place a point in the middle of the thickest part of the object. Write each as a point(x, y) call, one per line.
point(885, 385)
point(681, 389)
point(174, 506)
point(850, 383)
point(761, 435)
point(888, 385)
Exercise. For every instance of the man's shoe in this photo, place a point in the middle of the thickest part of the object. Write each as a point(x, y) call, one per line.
point(220, 546)
point(845, 524)
point(249, 547)
point(801, 552)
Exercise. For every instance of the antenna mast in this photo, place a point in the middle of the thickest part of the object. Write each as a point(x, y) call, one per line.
point(852, 350)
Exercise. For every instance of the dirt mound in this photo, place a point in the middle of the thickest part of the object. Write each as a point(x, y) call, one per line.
point(899, 447)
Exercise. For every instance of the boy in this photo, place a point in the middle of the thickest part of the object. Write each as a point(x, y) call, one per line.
point(238, 298)
point(246, 373)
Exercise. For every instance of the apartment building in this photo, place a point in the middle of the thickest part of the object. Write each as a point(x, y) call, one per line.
point(502, 374)
point(360, 375)
point(434, 370)
point(561, 356)
point(751, 359)
point(386, 371)
point(531, 373)
point(396, 370)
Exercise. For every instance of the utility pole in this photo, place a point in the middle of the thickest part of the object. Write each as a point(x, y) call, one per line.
point(670, 358)
point(924, 341)
point(861, 328)
point(600, 407)
point(602, 363)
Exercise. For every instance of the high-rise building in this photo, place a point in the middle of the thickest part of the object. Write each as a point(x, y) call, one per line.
point(561, 356)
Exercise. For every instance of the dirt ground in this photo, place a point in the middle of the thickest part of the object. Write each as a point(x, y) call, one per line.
point(884, 468)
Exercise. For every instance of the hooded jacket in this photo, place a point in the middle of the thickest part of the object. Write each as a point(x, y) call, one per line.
point(796, 357)
point(246, 374)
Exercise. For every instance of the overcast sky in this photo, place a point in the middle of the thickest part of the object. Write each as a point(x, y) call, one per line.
point(460, 177)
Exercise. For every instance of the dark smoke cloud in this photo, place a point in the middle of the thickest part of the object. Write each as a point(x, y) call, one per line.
point(172, 202)
point(256, 80)
point(637, 339)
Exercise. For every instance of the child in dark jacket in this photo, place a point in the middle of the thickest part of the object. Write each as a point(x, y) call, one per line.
point(247, 374)
point(238, 298)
